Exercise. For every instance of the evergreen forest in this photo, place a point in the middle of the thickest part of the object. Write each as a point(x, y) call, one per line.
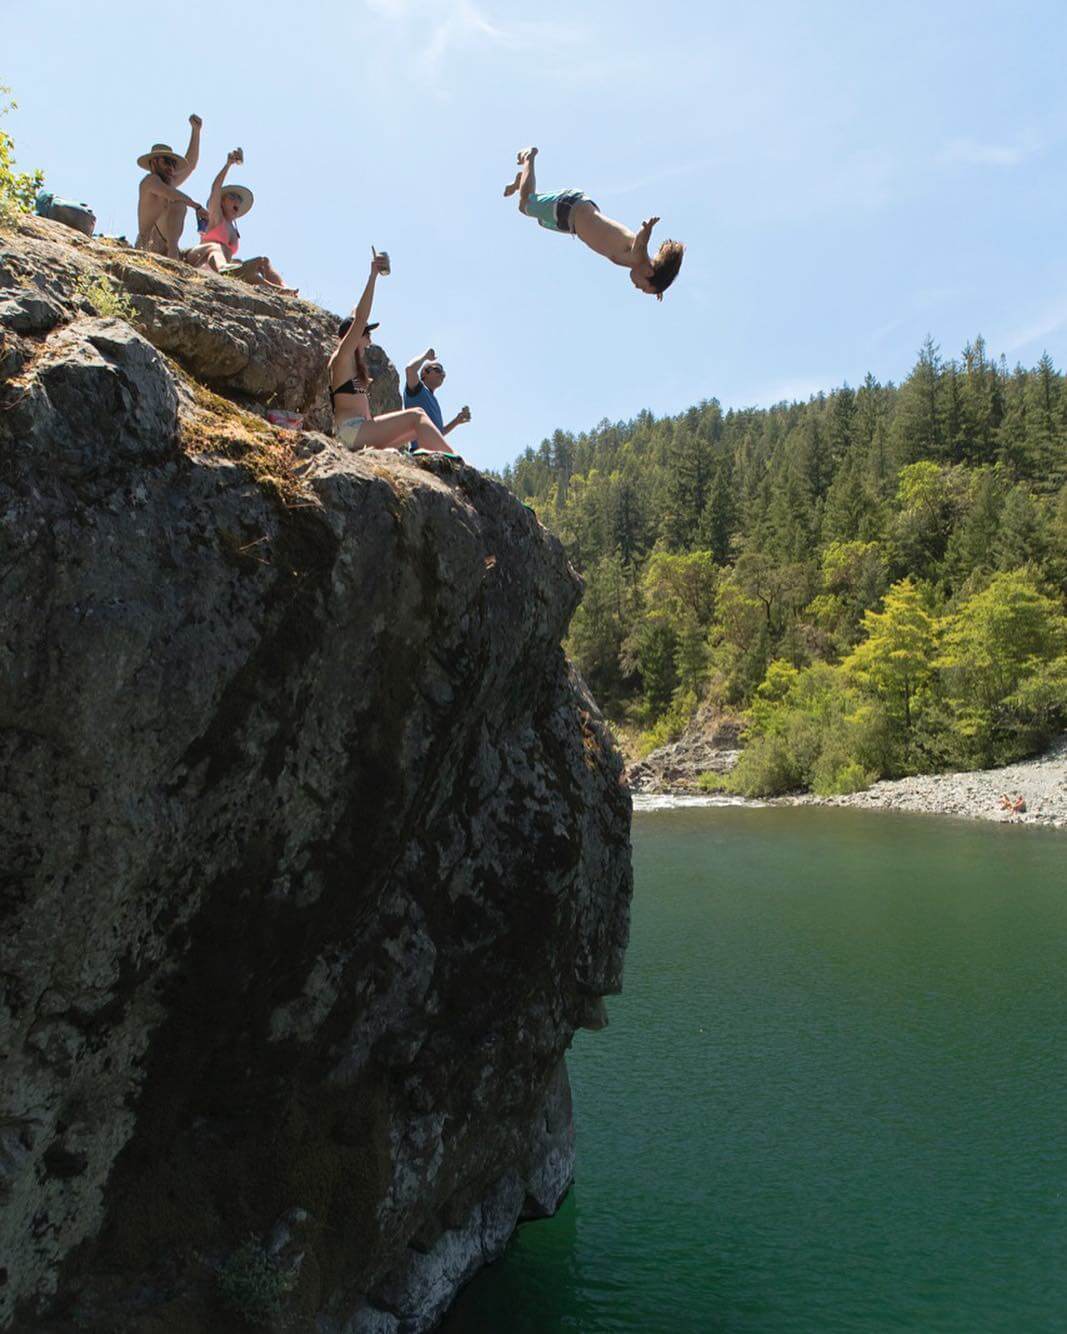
point(874, 580)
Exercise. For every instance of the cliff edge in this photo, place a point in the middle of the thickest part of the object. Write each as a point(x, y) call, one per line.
point(315, 853)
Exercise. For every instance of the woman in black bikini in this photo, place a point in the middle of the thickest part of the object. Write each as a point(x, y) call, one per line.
point(350, 382)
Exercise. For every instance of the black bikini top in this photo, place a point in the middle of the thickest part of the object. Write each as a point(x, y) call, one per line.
point(349, 387)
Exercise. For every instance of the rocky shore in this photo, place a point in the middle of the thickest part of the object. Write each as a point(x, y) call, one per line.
point(713, 742)
point(1041, 782)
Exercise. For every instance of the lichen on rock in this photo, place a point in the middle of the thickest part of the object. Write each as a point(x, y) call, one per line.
point(315, 849)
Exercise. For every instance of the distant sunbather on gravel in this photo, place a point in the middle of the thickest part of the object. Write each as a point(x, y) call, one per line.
point(220, 240)
point(571, 211)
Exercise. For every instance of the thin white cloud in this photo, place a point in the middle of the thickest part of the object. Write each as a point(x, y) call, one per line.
point(448, 26)
point(884, 330)
point(1052, 320)
point(973, 153)
point(682, 169)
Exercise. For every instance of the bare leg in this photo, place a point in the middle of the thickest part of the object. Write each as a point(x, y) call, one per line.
point(527, 177)
point(273, 278)
point(208, 255)
point(524, 157)
point(397, 428)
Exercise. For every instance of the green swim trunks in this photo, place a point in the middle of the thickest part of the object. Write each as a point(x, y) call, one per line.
point(554, 210)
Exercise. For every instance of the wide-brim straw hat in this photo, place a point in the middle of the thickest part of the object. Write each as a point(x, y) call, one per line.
point(159, 150)
point(245, 195)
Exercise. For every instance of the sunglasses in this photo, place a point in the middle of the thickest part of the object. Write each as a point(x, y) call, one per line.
point(439, 369)
point(169, 161)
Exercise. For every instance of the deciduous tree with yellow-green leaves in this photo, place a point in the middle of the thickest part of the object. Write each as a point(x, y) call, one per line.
point(876, 577)
point(18, 189)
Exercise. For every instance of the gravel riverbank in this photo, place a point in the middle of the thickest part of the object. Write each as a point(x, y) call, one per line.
point(1041, 782)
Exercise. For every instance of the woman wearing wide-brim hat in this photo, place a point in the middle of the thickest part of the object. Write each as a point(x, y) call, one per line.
point(221, 240)
point(161, 205)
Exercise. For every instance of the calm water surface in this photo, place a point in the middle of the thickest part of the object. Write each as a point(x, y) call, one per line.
point(832, 1097)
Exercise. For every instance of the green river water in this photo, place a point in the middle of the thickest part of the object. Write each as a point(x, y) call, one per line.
point(831, 1098)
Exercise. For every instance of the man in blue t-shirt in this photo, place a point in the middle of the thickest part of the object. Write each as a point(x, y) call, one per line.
point(420, 390)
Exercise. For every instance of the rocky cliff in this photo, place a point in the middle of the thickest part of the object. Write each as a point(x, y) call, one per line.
point(314, 852)
point(711, 743)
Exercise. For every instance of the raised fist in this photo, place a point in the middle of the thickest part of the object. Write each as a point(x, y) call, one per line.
point(195, 121)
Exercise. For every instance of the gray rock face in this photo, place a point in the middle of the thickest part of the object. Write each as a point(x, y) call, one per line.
point(238, 340)
point(314, 851)
point(710, 744)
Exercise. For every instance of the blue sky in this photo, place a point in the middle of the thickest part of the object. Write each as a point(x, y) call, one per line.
point(847, 178)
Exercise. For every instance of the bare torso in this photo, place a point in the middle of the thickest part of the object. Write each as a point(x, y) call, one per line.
point(604, 235)
point(343, 368)
point(150, 208)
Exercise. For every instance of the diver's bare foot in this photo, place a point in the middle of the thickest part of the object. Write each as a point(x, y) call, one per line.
point(525, 155)
point(510, 189)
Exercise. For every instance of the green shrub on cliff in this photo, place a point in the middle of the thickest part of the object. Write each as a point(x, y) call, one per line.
point(105, 298)
point(252, 1283)
point(18, 189)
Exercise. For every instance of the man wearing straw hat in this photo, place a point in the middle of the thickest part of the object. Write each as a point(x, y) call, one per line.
point(220, 239)
point(161, 205)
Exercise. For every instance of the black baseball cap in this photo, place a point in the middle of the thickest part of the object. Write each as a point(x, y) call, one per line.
point(346, 324)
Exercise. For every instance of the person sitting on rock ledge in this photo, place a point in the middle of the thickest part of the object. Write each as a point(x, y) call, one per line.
point(161, 205)
point(574, 213)
point(420, 391)
point(350, 382)
point(220, 240)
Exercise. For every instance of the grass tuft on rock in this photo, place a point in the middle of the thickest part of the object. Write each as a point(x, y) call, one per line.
point(220, 427)
point(106, 299)
point(252, 1284)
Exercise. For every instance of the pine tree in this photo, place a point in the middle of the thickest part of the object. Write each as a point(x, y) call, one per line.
point(917, 428)
point(972, 544)
point(1021, 538)
point(1045, 441)
point(843, 413)
point(601, 623)
point(718, 523)
point(689, 485)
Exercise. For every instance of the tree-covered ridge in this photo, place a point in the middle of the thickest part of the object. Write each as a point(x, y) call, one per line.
point(877, 575)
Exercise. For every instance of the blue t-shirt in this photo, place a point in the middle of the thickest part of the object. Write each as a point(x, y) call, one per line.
point(427, 400)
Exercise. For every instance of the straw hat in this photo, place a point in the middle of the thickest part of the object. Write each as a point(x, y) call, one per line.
point(159, 150)
point(243, 193)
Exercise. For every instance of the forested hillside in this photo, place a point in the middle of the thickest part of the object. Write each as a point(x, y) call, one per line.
point(877, 575)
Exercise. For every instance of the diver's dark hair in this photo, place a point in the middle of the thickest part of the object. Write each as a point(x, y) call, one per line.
point(666, 265)
point(344, 326)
